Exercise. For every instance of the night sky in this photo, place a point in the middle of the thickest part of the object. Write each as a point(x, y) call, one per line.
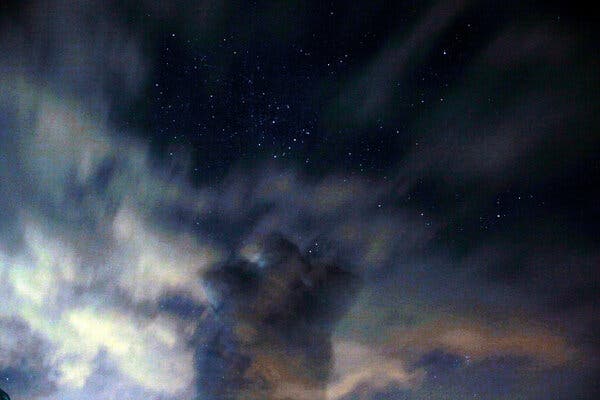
point(299, 200)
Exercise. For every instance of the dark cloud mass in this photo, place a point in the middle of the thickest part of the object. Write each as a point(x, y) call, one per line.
point(217, 200)
point(25, 366)
point(277, 313)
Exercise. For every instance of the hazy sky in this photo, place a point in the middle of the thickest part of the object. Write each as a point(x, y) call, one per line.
point(296, 200)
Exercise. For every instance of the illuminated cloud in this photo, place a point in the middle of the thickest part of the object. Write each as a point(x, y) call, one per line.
point(361, 369)
point(44, 292)
point(87, 259)
point(476, 341)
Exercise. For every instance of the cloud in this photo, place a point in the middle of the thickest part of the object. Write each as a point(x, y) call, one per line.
point(106, 381)
point(96, 249)
point(161, 262)
point(371, 93)
point(360, 368)
point(477, 341)
point(45, 290)
point(484, 131)
point(26, 368)
point(277, 311)
point(87, 270)
point(151, 353)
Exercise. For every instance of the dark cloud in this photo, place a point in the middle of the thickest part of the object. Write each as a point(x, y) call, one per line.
point(276, 312)
point(26, 369)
